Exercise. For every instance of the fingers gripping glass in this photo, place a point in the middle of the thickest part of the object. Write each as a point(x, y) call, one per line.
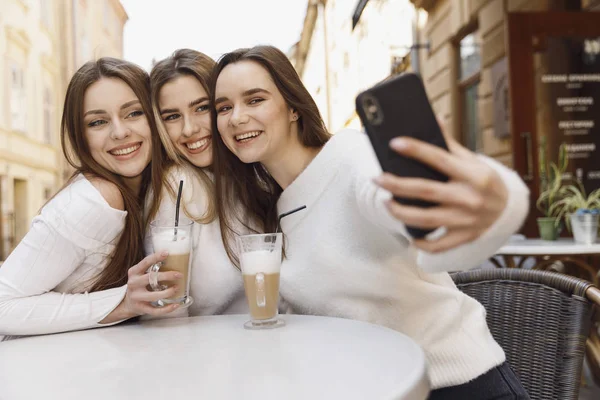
point(177, 240)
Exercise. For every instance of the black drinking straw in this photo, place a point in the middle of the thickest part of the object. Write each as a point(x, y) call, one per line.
point(177, 207)
point(285, 214)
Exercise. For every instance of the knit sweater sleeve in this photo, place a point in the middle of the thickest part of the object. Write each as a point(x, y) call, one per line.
point(76, 223)
point(370, 200)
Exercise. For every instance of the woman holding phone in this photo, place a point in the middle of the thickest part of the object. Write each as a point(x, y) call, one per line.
point(79, 265)
point(183, 113)
point(348, 254)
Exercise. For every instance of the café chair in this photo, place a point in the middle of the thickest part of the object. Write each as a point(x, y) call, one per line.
point(542, 321)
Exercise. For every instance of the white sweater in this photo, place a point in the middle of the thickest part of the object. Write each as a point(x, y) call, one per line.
point(348, 257)
point(216, 284)
point(44, 281)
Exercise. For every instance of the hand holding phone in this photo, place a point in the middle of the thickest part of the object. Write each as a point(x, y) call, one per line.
point(435, 182)
point(399, 107)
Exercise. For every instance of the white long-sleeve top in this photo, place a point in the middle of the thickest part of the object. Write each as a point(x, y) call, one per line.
point(216, 284)
point(348, 257)
point(44, 281)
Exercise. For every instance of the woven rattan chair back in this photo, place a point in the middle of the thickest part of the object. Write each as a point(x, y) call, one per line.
point(541, 320)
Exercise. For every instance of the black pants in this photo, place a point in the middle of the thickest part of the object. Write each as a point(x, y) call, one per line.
point(500, 383)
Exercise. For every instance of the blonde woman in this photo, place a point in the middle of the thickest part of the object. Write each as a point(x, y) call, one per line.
point(182, 109)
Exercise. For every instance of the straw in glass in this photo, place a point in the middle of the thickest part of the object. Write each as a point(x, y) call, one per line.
point(177, 208)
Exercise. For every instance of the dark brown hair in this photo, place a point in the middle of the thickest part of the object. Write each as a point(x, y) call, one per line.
point(183, 62)
point(246, 193)
point(129, 249)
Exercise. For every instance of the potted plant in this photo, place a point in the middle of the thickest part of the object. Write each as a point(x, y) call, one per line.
point(550, 191)
point(581, 212)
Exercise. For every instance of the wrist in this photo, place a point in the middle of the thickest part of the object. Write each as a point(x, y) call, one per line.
point(120, 313)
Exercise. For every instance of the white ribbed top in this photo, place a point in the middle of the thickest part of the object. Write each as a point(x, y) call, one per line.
point(44, 281)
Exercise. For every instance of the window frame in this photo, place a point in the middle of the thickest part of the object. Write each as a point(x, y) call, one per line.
point(17, 94)
point(462, 86)
point(48, 115)
point(46, 14)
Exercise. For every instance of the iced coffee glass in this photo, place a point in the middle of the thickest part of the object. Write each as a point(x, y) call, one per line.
point(260, 260)
point(177, 240)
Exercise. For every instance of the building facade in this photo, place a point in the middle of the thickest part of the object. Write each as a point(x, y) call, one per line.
point(465, 66)
point(42, 42)
point(516, 79)
point(339, 55)
point(512, 79)
point(457, 46)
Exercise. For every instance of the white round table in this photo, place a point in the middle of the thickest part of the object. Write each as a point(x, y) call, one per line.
point(547, 253)
point(527, 247)
point(216, 358)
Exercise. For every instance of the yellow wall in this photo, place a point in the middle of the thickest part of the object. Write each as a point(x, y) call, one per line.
point(38, 37)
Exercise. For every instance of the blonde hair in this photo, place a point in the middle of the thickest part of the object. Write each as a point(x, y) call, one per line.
point(183, 62)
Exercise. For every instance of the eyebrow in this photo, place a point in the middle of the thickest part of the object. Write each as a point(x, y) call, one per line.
point(248, 92)
point(191, 104)
point(197, 101)
point(124, 106)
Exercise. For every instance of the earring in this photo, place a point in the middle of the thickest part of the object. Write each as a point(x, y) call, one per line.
point(294, 118)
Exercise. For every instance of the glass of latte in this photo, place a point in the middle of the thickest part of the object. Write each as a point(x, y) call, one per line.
point(177, 240)
point(260, 261)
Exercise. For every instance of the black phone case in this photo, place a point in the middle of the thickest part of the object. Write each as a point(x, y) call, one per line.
point(399, 107)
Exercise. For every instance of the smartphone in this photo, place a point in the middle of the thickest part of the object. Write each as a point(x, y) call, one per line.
point(399, 107)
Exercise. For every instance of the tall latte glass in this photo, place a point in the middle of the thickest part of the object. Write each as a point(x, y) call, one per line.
point(177, 240)
point(260, 260)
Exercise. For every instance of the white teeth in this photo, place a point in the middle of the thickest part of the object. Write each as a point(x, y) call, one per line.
point(124, 152)
point(247, 135)
point(197, 145)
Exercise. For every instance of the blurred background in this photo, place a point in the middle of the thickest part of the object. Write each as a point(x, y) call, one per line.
point(339, 47)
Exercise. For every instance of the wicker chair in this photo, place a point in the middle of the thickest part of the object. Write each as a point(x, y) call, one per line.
point(541, 320)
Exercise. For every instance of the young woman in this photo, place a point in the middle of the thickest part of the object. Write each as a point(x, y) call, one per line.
point(348, 253)
point(180, 99)
point(72, 269)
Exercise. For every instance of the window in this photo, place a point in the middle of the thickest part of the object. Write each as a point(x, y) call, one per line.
point(470, 57)
point(117, 25)
point(48, 104)
point(46, 13)
point(106, 19)
point(468, 84)
point(18, 99)
point(84, 47)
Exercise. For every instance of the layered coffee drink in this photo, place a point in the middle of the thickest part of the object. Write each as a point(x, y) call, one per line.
point(260, 269)
point(261, 286)
point(178, 246)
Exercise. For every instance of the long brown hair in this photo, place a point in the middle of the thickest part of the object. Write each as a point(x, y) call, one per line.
point(246, 193)
point(129, 249)
point(183, 62)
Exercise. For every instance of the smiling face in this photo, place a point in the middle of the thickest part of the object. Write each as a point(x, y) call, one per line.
point(116, 129)
point(185, 111)
point(252, 116)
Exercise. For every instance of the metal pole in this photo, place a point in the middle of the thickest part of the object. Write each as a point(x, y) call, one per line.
point(414, 51)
